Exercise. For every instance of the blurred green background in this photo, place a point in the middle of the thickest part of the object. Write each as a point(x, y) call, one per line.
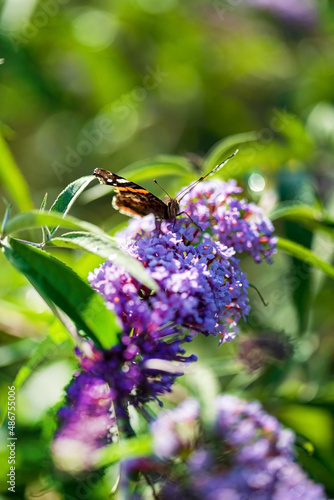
point(111, 83)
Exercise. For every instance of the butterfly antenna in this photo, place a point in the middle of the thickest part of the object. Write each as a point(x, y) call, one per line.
point(213, 171)
point(164, 190)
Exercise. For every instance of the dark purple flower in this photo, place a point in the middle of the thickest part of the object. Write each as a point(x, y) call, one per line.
point(138, 369)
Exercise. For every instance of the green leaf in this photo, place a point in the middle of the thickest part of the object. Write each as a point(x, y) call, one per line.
point(35, 218)
point(105, 246)
point(46, 350)
point(310, 217)
point(284, 139)
point(6, 216)
point(15, 352)
point(140, 446)
point(225, 147)
point(12, 179)
point(67, 197)
point(43, 204)
point(302, 253)
point(297, 186)
point(45, 230)
point(158, 166)
point(312, 422)
point(61, 286)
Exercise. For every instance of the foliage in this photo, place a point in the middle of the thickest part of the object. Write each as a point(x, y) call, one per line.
point(133, 87)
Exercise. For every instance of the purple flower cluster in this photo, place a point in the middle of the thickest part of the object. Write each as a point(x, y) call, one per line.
point(245, 455)
point(234, 222)
point(201, 289)
point(85, 422)
point(135, 371)
point(176, 430)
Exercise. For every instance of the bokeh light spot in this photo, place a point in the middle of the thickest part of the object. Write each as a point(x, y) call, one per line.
point(256, 182)
point(95, 29)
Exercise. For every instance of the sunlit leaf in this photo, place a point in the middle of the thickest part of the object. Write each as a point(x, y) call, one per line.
point(6, 216)
point(140, 446)
point(35, 219)
point(68, 196)
point(106, 247)
point(302, 253)
point(285, 139)
point(12, 178)
point(223, 149)
point(61, 286)
point(310, 217)
point(43, 204)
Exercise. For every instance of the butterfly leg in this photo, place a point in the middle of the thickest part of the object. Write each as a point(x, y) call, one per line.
point(158, 227)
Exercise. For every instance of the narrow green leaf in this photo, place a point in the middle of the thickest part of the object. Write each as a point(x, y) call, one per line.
point(67, 197)
point(298, 187)
point(43, 204)
point(310, 217)
point(60, 285)
point(302, 253)
point(12, 179)
point(6, 216)
point(45, 230)
point(140, 446)
point(35, 218)
point(105, 246)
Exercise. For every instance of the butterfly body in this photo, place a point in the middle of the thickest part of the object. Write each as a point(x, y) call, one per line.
point(136, 201)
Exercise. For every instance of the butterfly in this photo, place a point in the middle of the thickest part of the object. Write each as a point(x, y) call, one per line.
point(134, 200)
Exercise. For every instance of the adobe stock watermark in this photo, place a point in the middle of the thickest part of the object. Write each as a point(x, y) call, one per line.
point(45, 11)
point(104, 124)
point(11, 439)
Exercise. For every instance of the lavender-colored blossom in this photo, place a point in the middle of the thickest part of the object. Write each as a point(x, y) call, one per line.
point(175, 430)
point(235, 222)
point(247, 455)
point(85, 422)
point(135, 371)
point(201, 288)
